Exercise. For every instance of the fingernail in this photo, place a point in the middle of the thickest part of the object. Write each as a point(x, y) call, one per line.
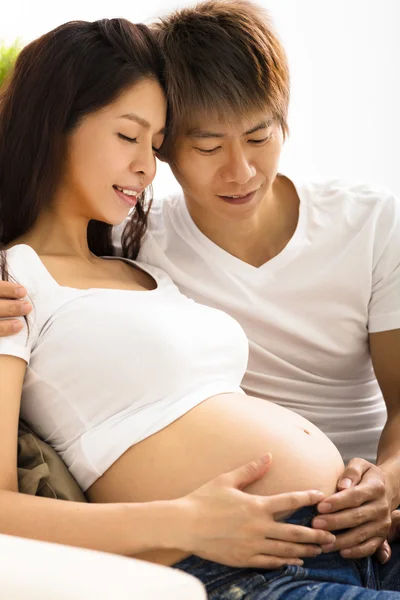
point(345, 483)
point(265, 459)
point(319, 523)
point(328, 547)
point(345, 553)
point(385, 557)
point(26, 308)
point(17, 326)
point(331, 539)
point(20, 292)
point(324, 506)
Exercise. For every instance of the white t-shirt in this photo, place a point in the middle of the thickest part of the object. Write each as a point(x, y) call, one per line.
point(108, 368)
point(307, 312)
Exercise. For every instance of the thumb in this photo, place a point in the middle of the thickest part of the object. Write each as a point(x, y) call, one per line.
point(253, 471)
point(384, 553)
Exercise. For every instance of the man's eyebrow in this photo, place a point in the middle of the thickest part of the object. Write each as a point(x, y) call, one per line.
point(142, 122)
point(262, 125)
point(204, 134)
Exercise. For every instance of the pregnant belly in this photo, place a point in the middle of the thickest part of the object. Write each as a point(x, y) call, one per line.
point(218, 435)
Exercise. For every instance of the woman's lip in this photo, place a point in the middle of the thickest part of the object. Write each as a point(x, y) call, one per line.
point(130, 201)
point(243, 200)
point(131, 188)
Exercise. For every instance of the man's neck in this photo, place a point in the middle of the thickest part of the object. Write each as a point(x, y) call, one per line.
point(263, 236)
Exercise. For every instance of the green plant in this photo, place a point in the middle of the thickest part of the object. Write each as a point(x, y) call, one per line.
point(8, 54)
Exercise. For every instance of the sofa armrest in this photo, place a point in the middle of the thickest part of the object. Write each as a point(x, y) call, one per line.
point(44, 571)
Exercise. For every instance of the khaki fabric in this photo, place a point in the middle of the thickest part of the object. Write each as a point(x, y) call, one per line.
point(41, 472)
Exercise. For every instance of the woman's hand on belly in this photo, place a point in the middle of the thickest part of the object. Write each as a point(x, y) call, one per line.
point(229, 526)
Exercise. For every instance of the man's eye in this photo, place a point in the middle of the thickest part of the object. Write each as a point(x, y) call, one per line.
point(207, 151)
point(260, 141)
point(127, 139)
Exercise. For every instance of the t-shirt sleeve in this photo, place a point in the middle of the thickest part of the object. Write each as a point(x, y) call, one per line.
point(384, 306)
point(21, 344)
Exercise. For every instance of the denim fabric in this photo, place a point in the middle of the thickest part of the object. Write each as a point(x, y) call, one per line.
point(325, 577)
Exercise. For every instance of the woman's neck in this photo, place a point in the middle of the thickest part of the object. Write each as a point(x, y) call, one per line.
point(58, 235)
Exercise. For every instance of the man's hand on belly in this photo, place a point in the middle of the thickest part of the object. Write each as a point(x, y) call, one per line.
point(362, 505)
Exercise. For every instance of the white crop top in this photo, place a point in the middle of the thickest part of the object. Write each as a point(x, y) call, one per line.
point(108, 368)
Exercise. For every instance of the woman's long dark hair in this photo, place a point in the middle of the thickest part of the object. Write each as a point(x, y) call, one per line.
point(74, 70)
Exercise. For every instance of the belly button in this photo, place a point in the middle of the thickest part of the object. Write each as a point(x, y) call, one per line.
point(306, 431)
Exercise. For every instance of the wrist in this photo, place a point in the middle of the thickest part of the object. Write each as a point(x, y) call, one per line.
point(168, 524)
point(392, 472)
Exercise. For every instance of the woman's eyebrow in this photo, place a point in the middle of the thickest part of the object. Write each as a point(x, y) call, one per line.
point(141, 121)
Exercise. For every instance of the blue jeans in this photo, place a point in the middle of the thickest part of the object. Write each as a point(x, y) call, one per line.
point(325, 577)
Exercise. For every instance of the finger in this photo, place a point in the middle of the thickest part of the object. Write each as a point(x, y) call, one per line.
point(10, 327)
point(247, 474)
point(353, 497)
point(11, 290)
point(368, 548)
point(358, 536)
point(353, 473)
point(394, 532)
point(291, 501)
point(351, 517)
point(262, 561)
point(384, 553)
point(286, 532)
point(14, 308)
point(288, 549)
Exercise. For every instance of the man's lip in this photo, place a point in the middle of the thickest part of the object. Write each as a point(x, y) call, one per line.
point(242, 200)
point(240, 194)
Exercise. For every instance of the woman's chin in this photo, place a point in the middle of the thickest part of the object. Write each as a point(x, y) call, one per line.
point(113, 220)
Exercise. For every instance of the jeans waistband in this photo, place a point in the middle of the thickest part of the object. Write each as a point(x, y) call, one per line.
point(303, 516)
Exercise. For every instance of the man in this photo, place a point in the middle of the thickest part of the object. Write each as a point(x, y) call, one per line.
point(312, 272)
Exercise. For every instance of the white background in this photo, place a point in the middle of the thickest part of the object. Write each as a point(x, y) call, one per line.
point(345, 64)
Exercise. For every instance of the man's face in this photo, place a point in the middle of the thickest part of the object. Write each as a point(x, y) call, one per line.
point(217, 160)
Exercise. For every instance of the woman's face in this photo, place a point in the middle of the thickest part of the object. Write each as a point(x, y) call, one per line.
point(111, 155)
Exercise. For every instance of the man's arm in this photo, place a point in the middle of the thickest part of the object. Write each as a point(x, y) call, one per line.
point(12, 305)
point(385, 354)
point(372, 492)
point(367, 492)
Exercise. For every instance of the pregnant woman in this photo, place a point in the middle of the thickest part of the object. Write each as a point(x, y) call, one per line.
point(136, 386)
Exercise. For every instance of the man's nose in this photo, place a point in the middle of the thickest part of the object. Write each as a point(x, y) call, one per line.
point(238, 168)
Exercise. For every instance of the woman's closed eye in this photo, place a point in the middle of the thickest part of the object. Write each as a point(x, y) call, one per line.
point(134, 141)
point(127, 139)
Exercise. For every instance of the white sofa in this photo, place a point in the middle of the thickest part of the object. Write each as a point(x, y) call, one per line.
point(32, 570)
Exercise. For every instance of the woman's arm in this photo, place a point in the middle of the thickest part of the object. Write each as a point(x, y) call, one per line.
point(125, 529)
